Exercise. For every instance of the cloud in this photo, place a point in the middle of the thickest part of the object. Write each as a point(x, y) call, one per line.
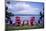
point(23, 8)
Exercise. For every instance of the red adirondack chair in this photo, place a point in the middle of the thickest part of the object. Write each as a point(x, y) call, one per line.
point(18, 21)
point(32, 20)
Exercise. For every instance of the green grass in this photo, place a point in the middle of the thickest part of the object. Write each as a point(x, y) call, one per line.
point(25, 27)
point(8, 28)
point(11, 27)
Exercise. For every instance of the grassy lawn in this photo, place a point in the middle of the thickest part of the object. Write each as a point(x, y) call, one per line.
point(11, 27)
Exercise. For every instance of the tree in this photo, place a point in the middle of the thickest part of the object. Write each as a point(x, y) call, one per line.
point(8, 15)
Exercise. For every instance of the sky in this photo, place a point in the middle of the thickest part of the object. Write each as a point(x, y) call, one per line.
point(33, 8)
point(25, 7)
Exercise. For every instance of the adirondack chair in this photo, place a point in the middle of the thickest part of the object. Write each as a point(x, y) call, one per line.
point(18, 21)
point(32, 20)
